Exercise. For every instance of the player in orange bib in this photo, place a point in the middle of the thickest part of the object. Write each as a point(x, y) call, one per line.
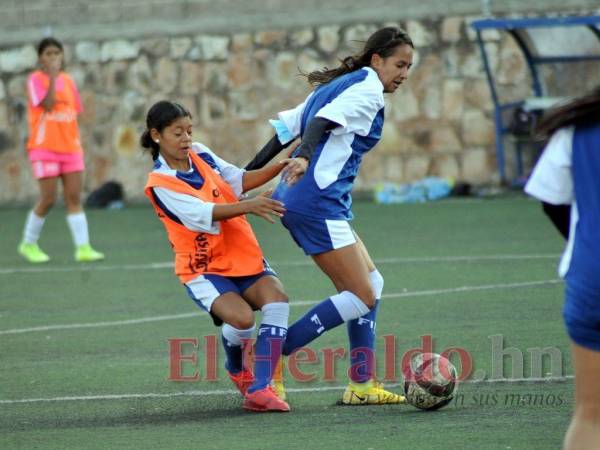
point(55, 152)
point(217, 257)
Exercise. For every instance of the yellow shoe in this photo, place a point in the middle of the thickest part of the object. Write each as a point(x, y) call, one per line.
point(370, 393)
point(277, 380)
point(85, 253)
point(33, 253)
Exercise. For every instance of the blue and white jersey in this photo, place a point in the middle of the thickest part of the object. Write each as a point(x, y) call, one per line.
point(192, 212)
point(355, 102)
point(567, 173)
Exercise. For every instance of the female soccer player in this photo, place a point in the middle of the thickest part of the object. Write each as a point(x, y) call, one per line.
point(339, 122)
point(217, 258)
point(55, 152)
point(567, 173)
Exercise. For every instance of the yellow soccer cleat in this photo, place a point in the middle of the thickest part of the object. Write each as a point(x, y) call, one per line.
point(370, 393)
point(33, 253)
point(277, 380)
point(85, 253)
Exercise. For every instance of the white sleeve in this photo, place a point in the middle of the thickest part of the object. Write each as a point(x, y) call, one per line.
point(193, 213)
point(292, 118)
point(552, 180)
point(233, 175)
point(355, 108)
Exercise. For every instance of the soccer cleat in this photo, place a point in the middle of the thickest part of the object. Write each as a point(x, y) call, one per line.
point(277, 380)
point(242, 380)
point(265, 400)
point(85, 253)
point(33, 253)
point(370, 393)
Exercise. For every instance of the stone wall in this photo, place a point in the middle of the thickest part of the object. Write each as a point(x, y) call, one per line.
point(439, 123)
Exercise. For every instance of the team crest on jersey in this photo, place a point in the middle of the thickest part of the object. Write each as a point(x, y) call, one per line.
point(215, 192)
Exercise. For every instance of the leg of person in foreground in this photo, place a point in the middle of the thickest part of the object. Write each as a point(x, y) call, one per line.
point(76, 219)
point(362, 336)
point(267, 295)
point(349, 272)
point(29, 248)
point(584, 431)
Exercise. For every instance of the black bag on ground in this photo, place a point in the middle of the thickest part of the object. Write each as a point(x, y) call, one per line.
point(109, 193)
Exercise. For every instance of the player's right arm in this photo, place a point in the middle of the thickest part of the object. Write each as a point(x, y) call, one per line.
point(204, 217)
point(52, 71)
point(262, 206)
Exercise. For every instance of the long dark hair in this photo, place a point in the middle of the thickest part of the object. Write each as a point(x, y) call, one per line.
point(581, 112)
point(48, 42)
point(160, 115)
point(383, 42)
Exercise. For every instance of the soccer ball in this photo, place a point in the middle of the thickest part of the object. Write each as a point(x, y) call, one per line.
point(429, 381)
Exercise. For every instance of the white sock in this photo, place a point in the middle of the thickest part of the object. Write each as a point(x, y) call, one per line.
point(79, 228)
point(376, 282)
point(235, 336)
point(349, 305)
point(33, 228)
point(276, 314)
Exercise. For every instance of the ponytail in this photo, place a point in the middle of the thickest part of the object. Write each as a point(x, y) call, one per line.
point(151, 146)
point(383, 42)
point(582, 112)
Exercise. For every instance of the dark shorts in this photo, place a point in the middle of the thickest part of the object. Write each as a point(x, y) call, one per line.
point(316, 236)
point(205, 289)
point(581, 313)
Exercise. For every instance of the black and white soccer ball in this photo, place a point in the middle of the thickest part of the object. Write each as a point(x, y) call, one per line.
point(429, 381)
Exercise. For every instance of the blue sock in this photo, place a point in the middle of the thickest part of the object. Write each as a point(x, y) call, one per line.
point(361, 333)
point(318, 319)
point(269, 342)
point(232, 339)
point(233, 354)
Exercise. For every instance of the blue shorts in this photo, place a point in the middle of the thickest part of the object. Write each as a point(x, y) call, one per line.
point(582, 313)
point(205, 289)
point(316, 236)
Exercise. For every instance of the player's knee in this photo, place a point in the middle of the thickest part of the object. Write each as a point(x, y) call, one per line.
point(73, 200)
point(47, 202)
point(243, 320)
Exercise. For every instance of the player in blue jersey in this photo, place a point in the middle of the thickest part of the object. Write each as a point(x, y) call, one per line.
point(568, 174)
point(339, 122)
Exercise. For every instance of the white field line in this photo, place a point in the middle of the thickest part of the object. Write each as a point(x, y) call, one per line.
point(275, 264)
point(292, 303)
point(196, 393)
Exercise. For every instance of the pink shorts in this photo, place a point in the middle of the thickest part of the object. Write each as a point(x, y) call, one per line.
point(49, 164)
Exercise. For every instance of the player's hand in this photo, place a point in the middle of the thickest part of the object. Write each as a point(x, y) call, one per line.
point(53, 67)
point(294, 170)
point(264, 206)
point(293, 146)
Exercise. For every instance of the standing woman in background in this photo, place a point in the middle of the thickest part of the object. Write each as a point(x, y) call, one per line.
point(567, 174)
point(55, 152)
point(339, 122)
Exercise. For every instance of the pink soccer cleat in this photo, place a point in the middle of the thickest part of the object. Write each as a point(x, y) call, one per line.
point(265, 400)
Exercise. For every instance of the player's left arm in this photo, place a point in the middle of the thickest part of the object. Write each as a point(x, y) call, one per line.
point(313, 134)
point(267, 153)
